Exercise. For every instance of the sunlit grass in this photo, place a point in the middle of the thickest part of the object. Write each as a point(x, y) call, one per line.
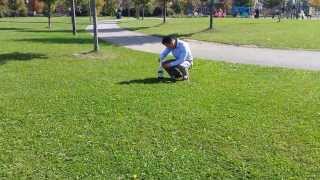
point(297, 34)
point(66, 113)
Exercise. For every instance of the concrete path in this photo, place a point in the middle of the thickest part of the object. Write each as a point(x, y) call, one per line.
point(297, 59)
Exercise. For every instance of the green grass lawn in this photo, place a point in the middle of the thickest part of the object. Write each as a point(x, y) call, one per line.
point(295, 34)
point(67, 113)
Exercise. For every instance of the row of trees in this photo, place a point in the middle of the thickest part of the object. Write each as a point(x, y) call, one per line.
point(315, 3)
point(13, 7)
point(135, 7)
point(109, 7)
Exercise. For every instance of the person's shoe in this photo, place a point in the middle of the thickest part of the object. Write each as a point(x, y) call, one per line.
point(185, 73)
point(185, 78)
point(173, 78)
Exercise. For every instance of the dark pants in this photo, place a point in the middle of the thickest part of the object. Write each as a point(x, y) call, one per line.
point(177, 71)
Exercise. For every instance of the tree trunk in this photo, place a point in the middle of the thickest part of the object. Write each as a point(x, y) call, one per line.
point(164, 10)
point(137, 12)
point(95, 29)
point(49, 16)
point(90, 12)
point(73, 18)
point(211, 12)
point(143, 10)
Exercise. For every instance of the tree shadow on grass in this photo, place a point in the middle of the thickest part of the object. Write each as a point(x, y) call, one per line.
point(41, 30)
point(58, 40)
point(106, 30)
point(133, 40)
point(49, 31)
point(143, 27)
point(147, 81)
point(31, 22)
point(186, 35)
point(45, 23)
point(17, 56)
point(13, 29)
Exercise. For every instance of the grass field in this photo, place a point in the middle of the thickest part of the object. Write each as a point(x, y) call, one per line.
point(67, 113)
point(295, 34)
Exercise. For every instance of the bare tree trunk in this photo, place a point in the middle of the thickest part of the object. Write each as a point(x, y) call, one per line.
point(137, 11)
point(143, 5)
point(49, 22)
point(164, 11)
point(95, 29)
point(211, 12)
point(90, 12)
point(73, 18)
point(49, 16)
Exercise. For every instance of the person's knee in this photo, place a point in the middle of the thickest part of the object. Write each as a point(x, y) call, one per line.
point(166, 66)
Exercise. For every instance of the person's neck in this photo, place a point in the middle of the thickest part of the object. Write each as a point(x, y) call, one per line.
point(175, 43)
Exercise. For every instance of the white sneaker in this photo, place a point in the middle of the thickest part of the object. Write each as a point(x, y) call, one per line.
point(185, 77)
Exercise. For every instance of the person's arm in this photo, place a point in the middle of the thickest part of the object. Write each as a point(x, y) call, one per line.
point(181, 57)
point(164, 53)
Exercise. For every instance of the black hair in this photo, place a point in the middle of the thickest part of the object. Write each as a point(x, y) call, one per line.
point(168, 39)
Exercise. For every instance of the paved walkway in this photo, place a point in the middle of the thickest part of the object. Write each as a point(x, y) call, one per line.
point(297, 59)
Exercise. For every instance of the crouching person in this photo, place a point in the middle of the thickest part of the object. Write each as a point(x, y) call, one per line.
point(177, 68)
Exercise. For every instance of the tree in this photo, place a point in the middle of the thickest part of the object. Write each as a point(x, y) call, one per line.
point(50, 5)
point(177, 6)
point(21, 8)
point(211, 12)
point(4, 8)
point(164, 11)
point(99, 6)
point(127, 4)
point(17, 7)
point(109, 8)
point(144, 3)
point(137, 4)
point(90, 12)
point(191, 5)
point(315, 3)
point(228, 4)
point(73, 17)
point(95, 28)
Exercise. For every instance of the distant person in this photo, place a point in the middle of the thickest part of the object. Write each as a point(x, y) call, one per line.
point(256, 13)
point(220, 13)
point(277, 13)
point(302, 14)
point(119, 14)
point(309, 15)
point(177, 68)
